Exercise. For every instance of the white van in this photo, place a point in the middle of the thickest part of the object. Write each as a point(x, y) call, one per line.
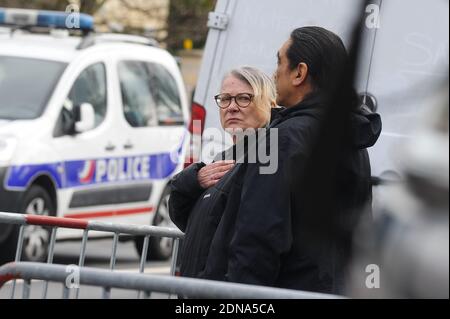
point(91, 127)
point(404, 54)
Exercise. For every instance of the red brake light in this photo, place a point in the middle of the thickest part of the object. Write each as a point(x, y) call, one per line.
point(196, 127)
point(198, 114)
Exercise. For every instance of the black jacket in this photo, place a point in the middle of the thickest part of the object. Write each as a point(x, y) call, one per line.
point(257, 229)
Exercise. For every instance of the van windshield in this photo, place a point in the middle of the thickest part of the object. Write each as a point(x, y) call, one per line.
point(26, 86)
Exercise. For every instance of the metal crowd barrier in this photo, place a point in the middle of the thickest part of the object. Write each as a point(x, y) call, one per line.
point(115, 229)
point(186, 287)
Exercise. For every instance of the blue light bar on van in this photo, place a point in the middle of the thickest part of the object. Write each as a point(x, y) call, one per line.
point(46, 19)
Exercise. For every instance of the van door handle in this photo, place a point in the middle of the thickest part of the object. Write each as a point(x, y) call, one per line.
point(128, 146)
point(110, 147)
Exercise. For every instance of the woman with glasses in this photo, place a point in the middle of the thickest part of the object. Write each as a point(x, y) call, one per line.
point(205, 198)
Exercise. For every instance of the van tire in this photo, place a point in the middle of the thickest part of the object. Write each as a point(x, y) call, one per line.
point(158, 248)
point(37, 201)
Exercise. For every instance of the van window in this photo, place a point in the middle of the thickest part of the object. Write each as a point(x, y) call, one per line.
point(26, 86)
point(150, 95)
point(139, 106)
point(167, 97)
point(90, 87)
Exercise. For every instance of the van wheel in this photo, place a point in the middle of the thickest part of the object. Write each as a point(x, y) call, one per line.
point(158, 248)
point(36, 240)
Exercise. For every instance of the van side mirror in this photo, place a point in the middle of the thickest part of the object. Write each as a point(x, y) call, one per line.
point(84, 117)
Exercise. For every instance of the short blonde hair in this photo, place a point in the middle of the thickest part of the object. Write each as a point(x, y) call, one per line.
point(263, 86)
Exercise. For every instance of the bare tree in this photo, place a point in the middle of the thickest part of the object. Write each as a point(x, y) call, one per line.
point(150, 9)
point(91, 6)
point(187, 19)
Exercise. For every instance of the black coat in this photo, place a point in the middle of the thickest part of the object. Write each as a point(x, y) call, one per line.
point(257, 229)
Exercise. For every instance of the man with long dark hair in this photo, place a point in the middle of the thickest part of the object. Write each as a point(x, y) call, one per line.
point(294, 227)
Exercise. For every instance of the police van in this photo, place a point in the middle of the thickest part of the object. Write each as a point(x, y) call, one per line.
point(92, 126)
point(403, 56)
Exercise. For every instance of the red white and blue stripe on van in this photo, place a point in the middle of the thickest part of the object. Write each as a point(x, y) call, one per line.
point(92, 172)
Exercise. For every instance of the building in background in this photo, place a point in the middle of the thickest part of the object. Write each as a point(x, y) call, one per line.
point(143, 17)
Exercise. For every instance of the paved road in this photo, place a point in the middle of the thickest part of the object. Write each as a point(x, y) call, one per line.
point(97, 255)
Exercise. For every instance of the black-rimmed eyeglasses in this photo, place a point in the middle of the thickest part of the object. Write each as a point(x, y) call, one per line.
point(242, 100)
